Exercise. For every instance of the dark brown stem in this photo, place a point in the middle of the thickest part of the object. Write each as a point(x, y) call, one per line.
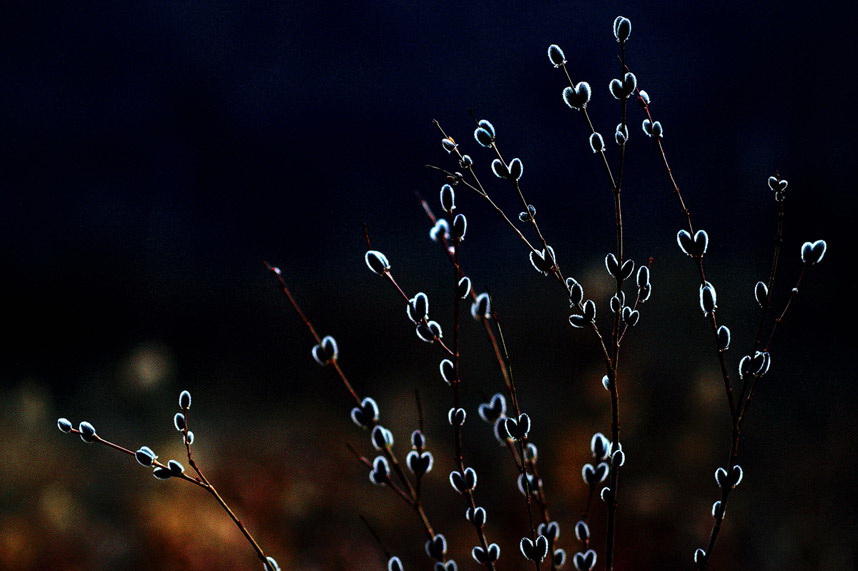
point(525, 205)
point(200, 481)
point(525, 463)
point(617, 332)
point(780, 319)
point(502, 356)
point(425, 320)
point(294, 303)
point(725, 494)
point(614, 481)
point(213, 491)
point(602, 154)
point(737, 408)
point(454, 385)
point(411, 496)
point(772, 273)
point(406, 497)
point(725, 375)
point(477, 187)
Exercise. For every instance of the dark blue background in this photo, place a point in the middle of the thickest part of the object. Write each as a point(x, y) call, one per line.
point(153, 154)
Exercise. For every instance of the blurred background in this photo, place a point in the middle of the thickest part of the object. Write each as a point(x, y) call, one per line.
point(152, 155)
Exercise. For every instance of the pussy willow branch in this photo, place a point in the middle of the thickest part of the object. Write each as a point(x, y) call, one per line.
point(454, 386)
point(200, 481)
point(610, 357)
point(525, 205)
point(473, 295)
point(738, 409)
point(425, 320)
point(391, 456)
point(501, 355)
point(213, 491)
point(389, 276)
point(779, 238)
point(612, 362)
point(340, 373)
point(621, 163)
point(294, 303)
point(735, 434)
point(413, 493)
point(479, 189)
point(602, 154)
point(412, 497)
point(793, 293)
point(747, 389)
point(725, 374)
point(527, 462)
point(617, 334)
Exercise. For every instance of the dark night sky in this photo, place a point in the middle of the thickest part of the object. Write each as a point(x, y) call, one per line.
point(152, 154)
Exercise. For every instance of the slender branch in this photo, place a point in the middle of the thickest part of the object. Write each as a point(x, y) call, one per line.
point(780, 319)
point(294, 303)
point(200, 481)
point(738, 408)
point(615, 469)
point(725, 375)
point(602, 155)
point(384, 549)
point(766, 303)
point(454, 386)
point(505, 365)
point(424, 320)
point(725, 494)
point(406, 497)
point(526, 462)
point(411, 494)
point(481, 191)
point(526, 206)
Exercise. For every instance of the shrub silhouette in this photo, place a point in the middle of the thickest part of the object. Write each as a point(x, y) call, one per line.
point(478, 174)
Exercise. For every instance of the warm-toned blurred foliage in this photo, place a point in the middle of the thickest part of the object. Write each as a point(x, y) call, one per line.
point(283, 464)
